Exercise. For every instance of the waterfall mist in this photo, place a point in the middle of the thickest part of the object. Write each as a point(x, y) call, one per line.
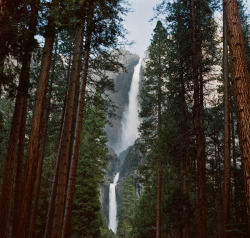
point(131, 120)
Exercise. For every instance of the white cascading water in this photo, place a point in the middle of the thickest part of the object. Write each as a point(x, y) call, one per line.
point(129, 134)
point(112, 205)
point(131, 120)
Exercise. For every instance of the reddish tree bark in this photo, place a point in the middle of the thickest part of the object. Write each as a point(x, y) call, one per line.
point(51, 208)
point(78, 131)
point(241, 88)
point(31, 164)
point(39, 173)
point(64, 146)
point(73, 126)
point(42, 150)
point(7, 185)
point(19, 167)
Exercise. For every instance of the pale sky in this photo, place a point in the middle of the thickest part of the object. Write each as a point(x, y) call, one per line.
point(138, 25)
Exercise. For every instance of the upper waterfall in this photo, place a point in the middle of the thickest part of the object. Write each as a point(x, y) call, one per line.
point(131, 120)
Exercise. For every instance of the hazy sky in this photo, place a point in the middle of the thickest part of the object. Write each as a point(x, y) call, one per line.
point(138, 25)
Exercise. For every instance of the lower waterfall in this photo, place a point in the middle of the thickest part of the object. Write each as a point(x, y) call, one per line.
point(112, 205)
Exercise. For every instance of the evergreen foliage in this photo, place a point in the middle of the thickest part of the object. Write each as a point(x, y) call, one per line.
point(87, 220)
point(153, 92)
point(145, 212)
point(127, 209)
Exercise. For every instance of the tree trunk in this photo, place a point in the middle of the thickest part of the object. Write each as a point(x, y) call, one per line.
point(227, 184)
point(159, 192)
point(241, 89)
point(73, 127)
point(66, 95)
point(7, 185)
point(39, 171)
point(42, 150)
point(78, 131)
point(51, 208)
point(31, 164)
point(63, 151)
point(186, 223)
point(19, 167)
point(159, 172)
point(200, 146)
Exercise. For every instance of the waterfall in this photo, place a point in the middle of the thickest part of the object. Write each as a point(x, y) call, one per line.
point(131, 120)
point(112, 205)
point(129, 133)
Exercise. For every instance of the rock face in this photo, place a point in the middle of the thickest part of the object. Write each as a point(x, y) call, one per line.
point(113, 165)
point(122, 83)
point(132, 161)
point(104, 200)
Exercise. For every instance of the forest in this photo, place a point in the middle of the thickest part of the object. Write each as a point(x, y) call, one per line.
point(56, 62)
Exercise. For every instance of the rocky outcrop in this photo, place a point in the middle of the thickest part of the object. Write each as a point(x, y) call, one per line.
point(131, 161)
point(123, 155)
point(104, 199)
point(131, 164)
point(113, 165)
point(130, 167)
